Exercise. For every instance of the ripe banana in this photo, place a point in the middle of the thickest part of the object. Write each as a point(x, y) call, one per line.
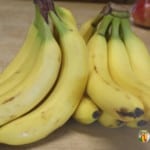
point(19, 76)
point(138, 123)
point(40, 81)
point(14, 66)
point(100, 87)
point(88, 28)
point(87, 112)
point(120, 67)
point(66, 16)
point(58, 107)
point(138, 53)
point(109, 121)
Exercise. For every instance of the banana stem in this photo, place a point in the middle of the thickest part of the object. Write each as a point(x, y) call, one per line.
point(115, 28)
point(42, 4)
point(45, 6)
point(126, 27)
point(102, 28)
point(105, 11)
point(58, 23)
point(42, 26)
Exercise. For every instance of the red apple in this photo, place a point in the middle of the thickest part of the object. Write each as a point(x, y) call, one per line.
point(141, 13)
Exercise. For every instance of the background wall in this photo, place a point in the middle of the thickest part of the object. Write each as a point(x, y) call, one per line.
point(103, 1)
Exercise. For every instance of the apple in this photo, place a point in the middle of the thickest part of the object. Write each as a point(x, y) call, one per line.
point(141, 13)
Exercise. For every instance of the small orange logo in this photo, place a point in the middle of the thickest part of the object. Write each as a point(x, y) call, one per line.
point(144, 136)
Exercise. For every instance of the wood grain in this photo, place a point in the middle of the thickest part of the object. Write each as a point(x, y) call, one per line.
point(15, 18)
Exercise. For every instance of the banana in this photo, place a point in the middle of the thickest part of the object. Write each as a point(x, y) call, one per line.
point(61, 103)
point(120, 67)
point(40, 81)
point(109, 121)
point(88, 28)
point(138, 122)
point(138, 52)
point(14, 66)
point(19, 76)
point(66, 16)
point(26, 75)
point(100, 87)
point(87, 112)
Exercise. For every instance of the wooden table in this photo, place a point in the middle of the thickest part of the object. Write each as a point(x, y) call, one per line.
point(15, 18)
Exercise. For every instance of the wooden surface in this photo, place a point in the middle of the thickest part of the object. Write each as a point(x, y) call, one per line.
point(15, 18)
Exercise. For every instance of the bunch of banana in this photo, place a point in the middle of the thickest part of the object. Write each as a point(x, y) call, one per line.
point(38, 81)
point(52, 79)
point(91, 75)
point(117, 79)
point(121, 70)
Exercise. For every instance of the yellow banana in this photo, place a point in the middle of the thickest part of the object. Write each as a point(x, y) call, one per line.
point(109, 121)
point(88, 28)
point(101, 88)
point(40, 81)
point(87, 112)
point(19, 76)
point(138, 123)
point(66, 16)
point(14, 66)
point(139, 55)
point(59, 106)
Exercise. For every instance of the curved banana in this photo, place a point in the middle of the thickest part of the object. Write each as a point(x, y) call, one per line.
point(14, 66)
point(40, 81)
point(120, 67)
point(109, 121)
point(88, 28)
point(21, 73)
point(87, 112)
point(138, 52)
point(58, 107)
point(138, 122)
point(66, 16)
point(101, 88)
